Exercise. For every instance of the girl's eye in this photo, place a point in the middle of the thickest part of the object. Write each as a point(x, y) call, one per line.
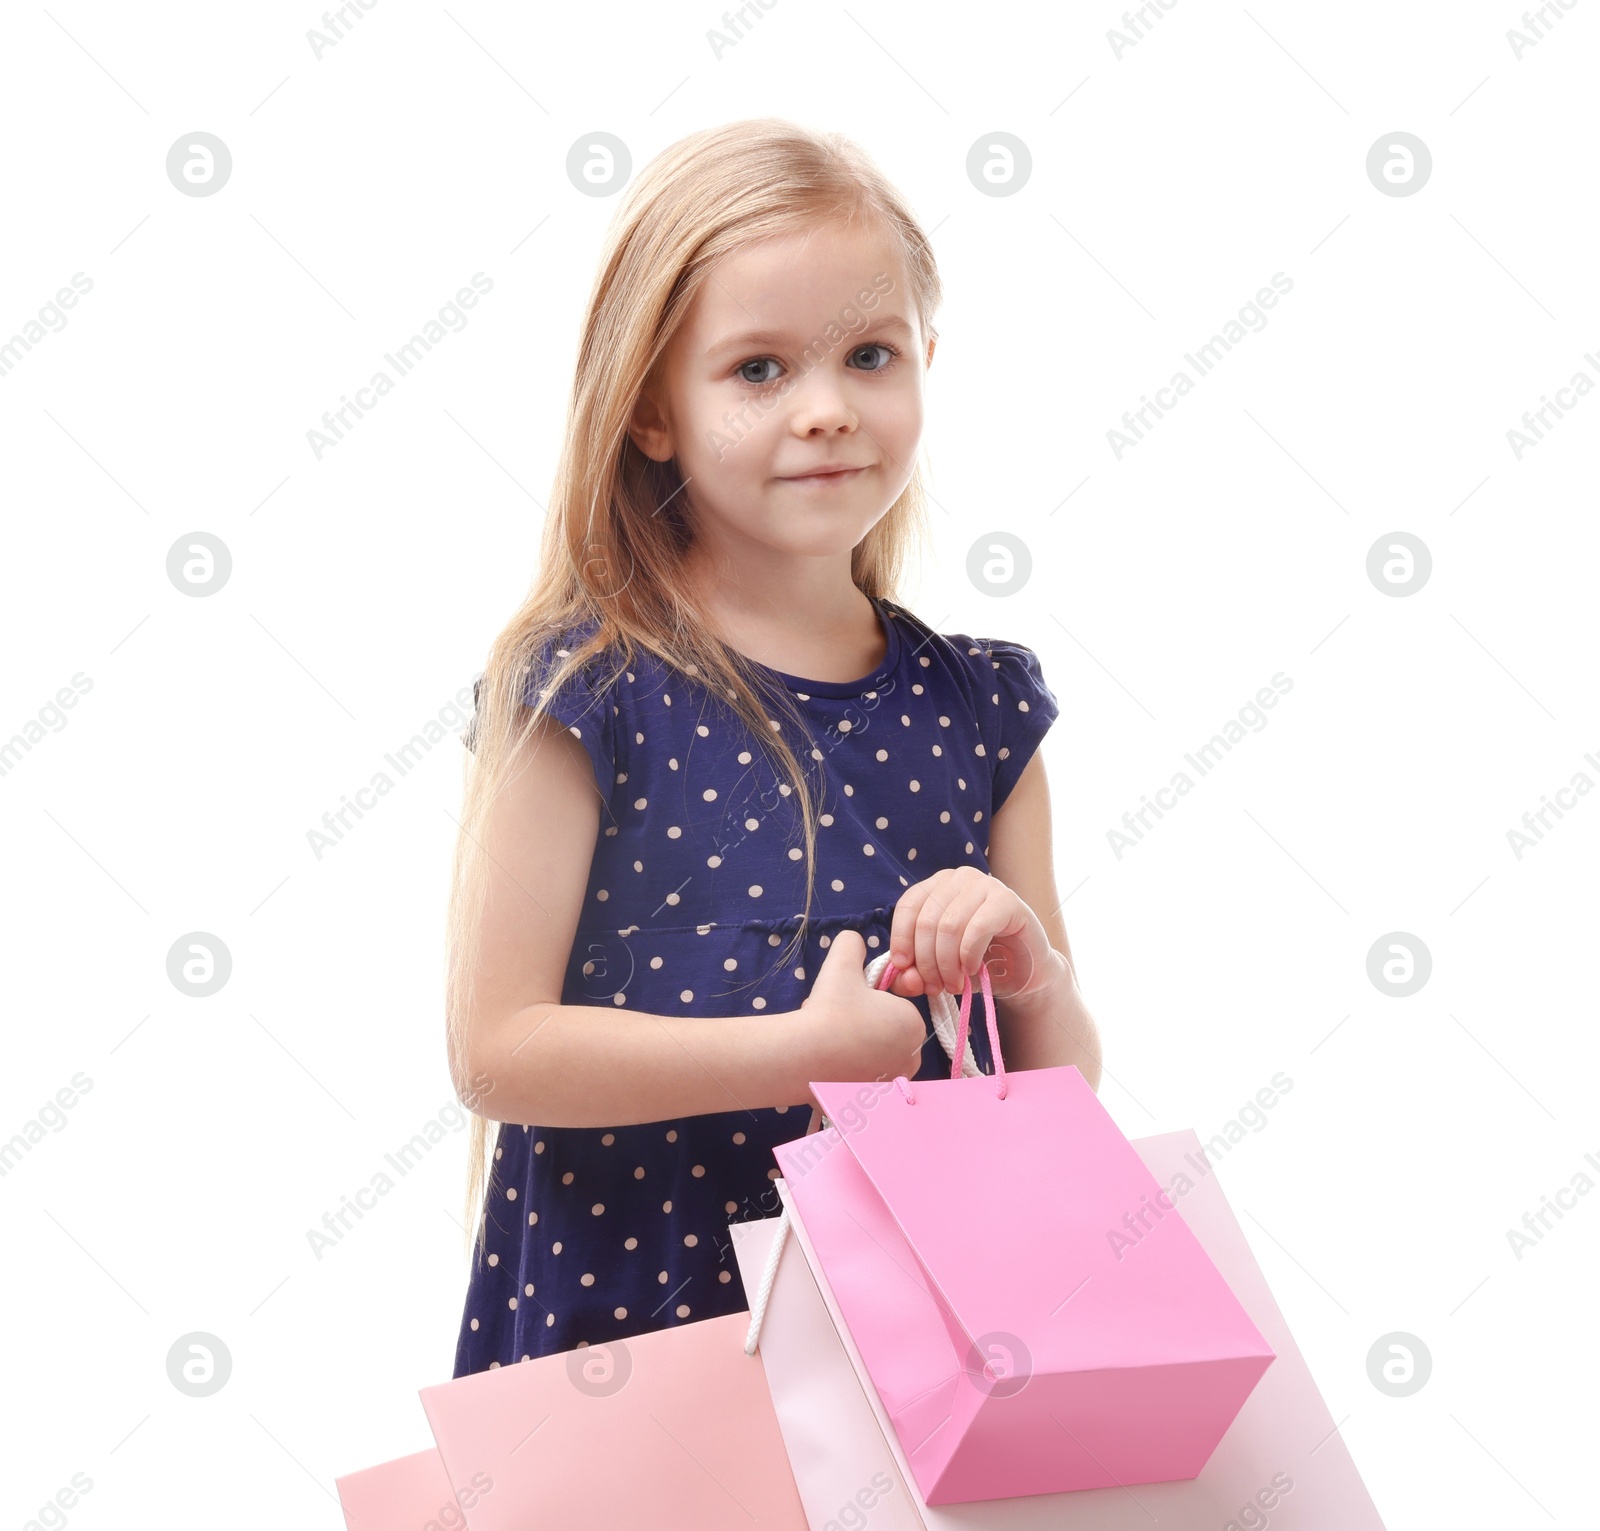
point(756, 382)
point(758, 363)
point(884, 365)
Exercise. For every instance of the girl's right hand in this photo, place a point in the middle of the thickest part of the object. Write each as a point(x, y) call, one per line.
point(857, 1032)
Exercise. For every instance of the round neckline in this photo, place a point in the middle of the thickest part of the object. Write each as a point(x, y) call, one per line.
point(838, 688)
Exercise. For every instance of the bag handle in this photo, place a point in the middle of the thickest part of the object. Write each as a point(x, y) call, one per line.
point(950, 1029)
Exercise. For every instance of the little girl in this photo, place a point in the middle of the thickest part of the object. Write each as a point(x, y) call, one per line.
point(716, 767)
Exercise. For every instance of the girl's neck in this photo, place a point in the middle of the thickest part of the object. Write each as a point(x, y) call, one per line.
point(831, 635)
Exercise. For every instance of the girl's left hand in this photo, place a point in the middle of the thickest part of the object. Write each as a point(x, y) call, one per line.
point(950, 924)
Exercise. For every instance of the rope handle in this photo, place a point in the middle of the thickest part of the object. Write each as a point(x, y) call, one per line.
point(950, 1028)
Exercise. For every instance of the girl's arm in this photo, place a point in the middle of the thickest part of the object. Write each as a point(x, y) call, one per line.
point(1051, 1026)
point(555, 1065)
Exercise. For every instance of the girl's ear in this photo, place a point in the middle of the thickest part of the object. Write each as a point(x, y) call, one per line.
point(648, 428)
point(933, 340)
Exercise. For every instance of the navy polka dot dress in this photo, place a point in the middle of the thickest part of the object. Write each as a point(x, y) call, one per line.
point(694, 895)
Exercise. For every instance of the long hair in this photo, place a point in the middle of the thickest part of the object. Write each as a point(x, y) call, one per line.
point(617, 530)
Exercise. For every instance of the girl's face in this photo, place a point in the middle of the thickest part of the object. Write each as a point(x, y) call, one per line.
point(801, 353)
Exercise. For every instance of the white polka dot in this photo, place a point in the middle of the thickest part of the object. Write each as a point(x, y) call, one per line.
point(866, 850)
point(527, 1291)
point(698, 1171)
point(755, 890)
point(555, 1248)
point(533, 1217)
point(474, 1325)
point(662, 1278)
point(844, 725)
point(586, 1279)
point(883, 754)
point(640, 802)
point(738, 1137)
point(881, 823)
point(638, 1173)
point(795, 853)
point(598, 1208)
point(674, 832)
point(494, 1259)
point(666, 1206)
point(683, 1310)
point(758, 1003)
point(916, 786)
point(620, 1313)
point(710, 794)
point(686, 995)
point(713, 861)
point(549, 1320)
point(630, 1244)
point(724, 1275)
point(729, 964)
point(826, 818)
point(690, 1239)
point(672, 1135)
point(744, 757)
point(511, 1302)
point(511, 1193)
point(608, 1139)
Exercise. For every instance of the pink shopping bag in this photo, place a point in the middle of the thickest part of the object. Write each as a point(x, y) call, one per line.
point(411, 1493)
point(673, 1429)
point(1031, 1311)
point(1281, 1462)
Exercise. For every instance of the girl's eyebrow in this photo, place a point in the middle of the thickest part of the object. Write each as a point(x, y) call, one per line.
point(777, 337)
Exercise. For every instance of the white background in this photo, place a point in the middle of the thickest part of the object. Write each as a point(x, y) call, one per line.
point(1231, 943)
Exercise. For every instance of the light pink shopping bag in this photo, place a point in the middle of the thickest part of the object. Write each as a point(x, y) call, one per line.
point(1280, 1463)
point(1032, 1312)
point(673, 1429)
point(408, 1494)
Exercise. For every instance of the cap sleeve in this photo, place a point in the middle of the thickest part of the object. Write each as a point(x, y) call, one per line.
point(589, 711)
point(584, 705)
point(1016, 707)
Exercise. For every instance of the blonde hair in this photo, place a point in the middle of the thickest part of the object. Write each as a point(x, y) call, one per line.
point(617, 530)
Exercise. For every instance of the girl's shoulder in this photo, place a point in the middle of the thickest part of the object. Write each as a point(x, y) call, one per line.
point(999, 682)
point(985, 665)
